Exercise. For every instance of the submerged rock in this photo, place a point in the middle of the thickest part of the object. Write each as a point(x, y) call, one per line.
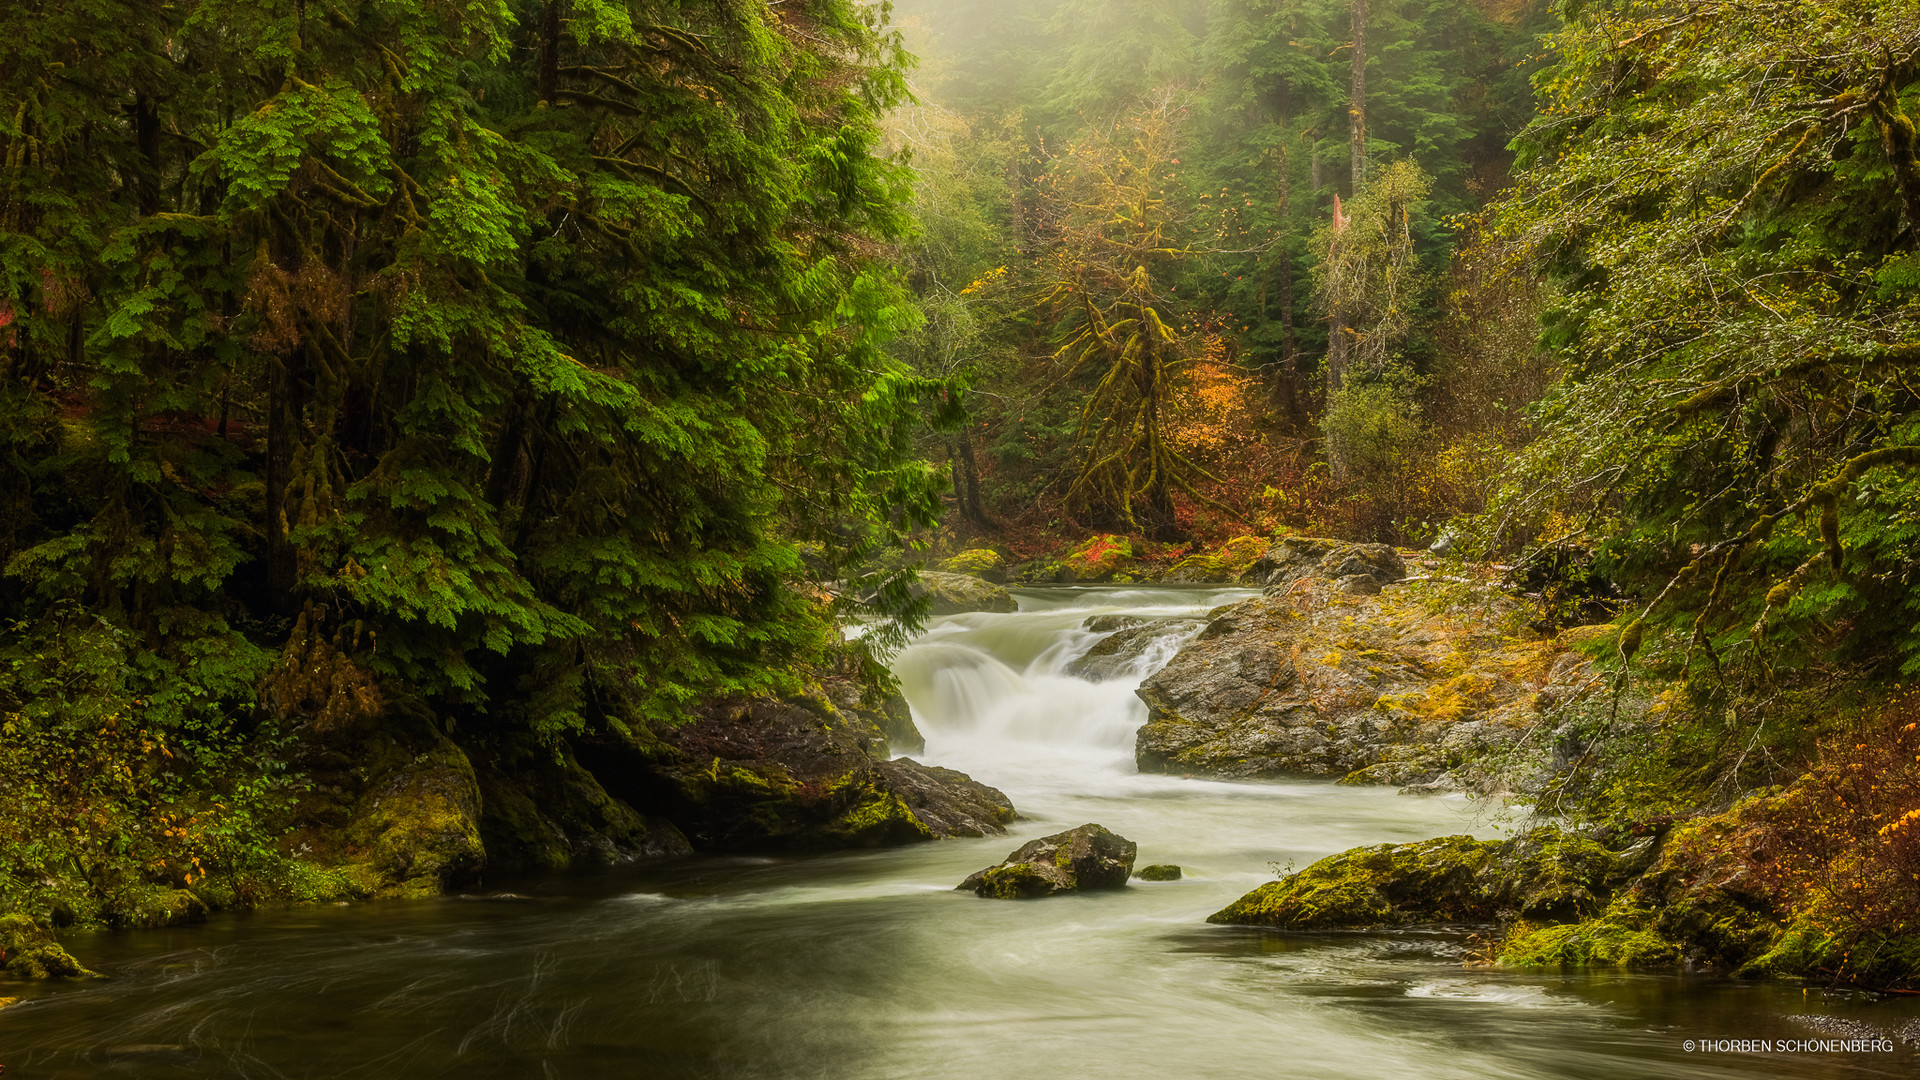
point(955, 593)
point(28, 951)
point(1078, 860)
point(1118, 655)
point(1159, 872)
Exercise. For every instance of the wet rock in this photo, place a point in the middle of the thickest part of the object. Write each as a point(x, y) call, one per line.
point(1159, 872)
point(955, 593)
point(28, 951)
point(1119, 655)
point(394, 809)
point(789, 773)
point(1434, 881)
point(1396, 686)
point(883, 719)
point(1078, 860)
point(979, 562)
point(948, 802)
point(543, 812)
point(1107, 624)
point(1543, 875)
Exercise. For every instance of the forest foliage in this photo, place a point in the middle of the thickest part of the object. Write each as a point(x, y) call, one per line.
point(496, 362)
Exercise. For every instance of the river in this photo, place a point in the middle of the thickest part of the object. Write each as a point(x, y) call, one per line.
point(868, 965)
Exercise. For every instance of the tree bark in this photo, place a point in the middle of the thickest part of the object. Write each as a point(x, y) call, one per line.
point(966, 480)
point(1357, 106)
point(549, 78)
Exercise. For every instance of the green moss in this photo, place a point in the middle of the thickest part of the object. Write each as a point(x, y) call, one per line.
point(1622, 937)
point(1159, 872)
point(1017, 881)
point(149, 907)
point(1100, 558)
point(980, 562)
point(1387, 884)
point(28, 951)
point(879, 819)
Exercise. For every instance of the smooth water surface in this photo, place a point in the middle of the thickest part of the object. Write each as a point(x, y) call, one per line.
point(869, 965)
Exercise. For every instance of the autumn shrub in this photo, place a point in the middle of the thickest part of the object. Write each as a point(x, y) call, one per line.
point(123, 781)
point(1844, 845)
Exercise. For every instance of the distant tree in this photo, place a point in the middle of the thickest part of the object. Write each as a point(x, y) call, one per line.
point(1118, 233)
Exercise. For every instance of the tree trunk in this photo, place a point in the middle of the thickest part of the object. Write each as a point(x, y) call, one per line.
point(286, 415)
point(1357, 106)
point(966, 481)
point(549, 78)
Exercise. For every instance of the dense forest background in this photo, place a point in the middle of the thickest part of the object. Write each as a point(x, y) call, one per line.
point(1334, 344)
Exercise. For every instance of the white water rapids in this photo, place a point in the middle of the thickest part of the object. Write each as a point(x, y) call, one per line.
point(869, 966)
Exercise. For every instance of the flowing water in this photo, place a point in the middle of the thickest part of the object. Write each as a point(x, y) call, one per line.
point(869, 965)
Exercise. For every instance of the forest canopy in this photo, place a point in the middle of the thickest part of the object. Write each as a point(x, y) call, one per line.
point(495, 357)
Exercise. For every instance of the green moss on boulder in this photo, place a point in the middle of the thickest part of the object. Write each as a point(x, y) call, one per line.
point(1159, 872)
point(1107, 557)
point(979, 562)
point(1383, 885)
point(28, 951)
point(952, 594)
point(1079, 860)
point(1228, 564)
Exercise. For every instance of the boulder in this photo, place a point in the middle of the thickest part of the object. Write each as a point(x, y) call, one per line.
point(947, 802)
point(543, 812)
point(1117, 655)
point(1221, 567)
point(1159, 872)
point(954, 593)
point(1543, 875)
point(979, 562)
point(1340, 564)
point(1078, 860)
point(1400, 686)
point(765, 773)
point(393, 809)
point(28, 951)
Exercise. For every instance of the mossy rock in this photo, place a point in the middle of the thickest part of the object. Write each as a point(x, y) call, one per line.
point(1621, 938)
point(1079, 860)
point(1219, 567)
point(952, 594)
point(154, 906)
point(980, 562)
point(541, 811)
point(1548, 875)
point(28, 951)
point(1433, 881)
point(1159, 872)
point(1100, 559)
